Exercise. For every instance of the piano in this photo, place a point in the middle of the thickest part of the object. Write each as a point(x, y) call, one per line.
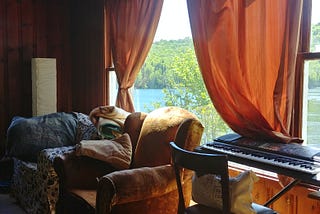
point(294, 160)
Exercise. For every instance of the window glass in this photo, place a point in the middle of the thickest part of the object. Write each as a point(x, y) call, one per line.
point(315, 27)
point(171, 75)
point(113, 87)
point(311, 102)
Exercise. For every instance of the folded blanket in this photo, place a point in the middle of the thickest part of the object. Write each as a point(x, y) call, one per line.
point(108, 129)
point(109, 120)
point(116, 152)
point(113, 113)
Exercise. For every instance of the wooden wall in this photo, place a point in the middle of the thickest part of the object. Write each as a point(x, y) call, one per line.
point(70, 31)
point(295, 201)
point(87, 44)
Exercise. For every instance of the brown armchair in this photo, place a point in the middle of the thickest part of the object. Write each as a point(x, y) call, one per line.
point(148, 186)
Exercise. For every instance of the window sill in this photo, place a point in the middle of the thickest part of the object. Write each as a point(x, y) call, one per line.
point(259, 172)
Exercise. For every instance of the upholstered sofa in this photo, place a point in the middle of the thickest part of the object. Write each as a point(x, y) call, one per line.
point(148, 184)
point(33, 143)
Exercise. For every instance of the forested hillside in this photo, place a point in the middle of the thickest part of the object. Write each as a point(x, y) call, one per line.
point(154, 73)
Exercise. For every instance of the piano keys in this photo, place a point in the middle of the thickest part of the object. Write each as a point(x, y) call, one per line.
point(311, 167)
point(290, 156)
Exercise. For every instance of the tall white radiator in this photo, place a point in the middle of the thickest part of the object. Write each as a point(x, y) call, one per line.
point(44, 86)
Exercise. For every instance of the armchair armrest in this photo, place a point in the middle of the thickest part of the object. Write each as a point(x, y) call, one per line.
point(134, 185)
point(47, 156)
point(48, 184)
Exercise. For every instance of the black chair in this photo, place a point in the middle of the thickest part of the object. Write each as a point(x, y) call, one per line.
point(204, 163)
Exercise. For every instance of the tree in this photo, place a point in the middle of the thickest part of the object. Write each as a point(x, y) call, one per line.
point(315, 31)
point(314, 66)
point(184, 85)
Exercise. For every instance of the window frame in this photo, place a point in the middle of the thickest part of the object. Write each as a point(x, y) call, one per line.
point(303, 56)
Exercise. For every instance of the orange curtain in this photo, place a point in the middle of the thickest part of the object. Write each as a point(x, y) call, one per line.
point(246, 51)
point(132, 28)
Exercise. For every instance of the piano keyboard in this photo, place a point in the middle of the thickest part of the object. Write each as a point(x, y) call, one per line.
point(264, 157)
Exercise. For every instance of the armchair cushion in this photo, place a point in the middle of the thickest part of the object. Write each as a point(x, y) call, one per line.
point(116, 152)
point(28, 136)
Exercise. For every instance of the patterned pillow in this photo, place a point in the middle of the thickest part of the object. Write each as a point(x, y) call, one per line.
point(85, 128)
point(206, 190)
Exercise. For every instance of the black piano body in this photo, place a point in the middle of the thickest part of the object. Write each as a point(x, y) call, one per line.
point(294, 160)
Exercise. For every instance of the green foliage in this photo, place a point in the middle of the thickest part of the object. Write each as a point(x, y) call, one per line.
point(314, 74)
point(314, 66)
point(185, 86)
point(173, 67)
point(315, 31)
point(162, 54)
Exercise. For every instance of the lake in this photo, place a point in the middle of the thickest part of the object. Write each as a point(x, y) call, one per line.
point(144, 97)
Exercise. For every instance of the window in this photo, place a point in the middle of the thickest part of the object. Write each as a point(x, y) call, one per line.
point(171, 75)
point(113, 87)
point(310, 64)
point(156, 86)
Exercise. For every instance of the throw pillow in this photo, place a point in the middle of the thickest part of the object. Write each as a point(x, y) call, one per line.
point(85, 128)
point(116, 152)
point(26, 137)
point(206, 190)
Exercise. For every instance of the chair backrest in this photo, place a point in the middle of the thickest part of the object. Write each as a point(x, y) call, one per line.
point(201, 163)
point(132, 126)
point(159, 128)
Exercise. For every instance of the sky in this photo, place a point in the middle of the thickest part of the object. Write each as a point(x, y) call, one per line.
point(315, 12)
point(174, 21)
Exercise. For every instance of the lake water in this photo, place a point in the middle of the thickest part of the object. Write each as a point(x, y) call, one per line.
point(144, 97)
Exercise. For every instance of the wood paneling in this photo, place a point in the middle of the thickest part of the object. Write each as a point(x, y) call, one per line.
point(3, 85)
point(70, 31)
point(295, 201)
point(87, 26)
point(59, 47)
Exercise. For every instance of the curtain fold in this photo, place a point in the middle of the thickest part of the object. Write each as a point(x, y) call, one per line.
point(246, 51)
point(132, 28)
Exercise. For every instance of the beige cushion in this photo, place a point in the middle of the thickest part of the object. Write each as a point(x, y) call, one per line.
point(206, 190)
point(116, 152)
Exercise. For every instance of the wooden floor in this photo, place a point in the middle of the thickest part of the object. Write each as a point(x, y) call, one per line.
point(9, 205)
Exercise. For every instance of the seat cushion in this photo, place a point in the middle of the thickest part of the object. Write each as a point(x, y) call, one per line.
point(78, 201)
point(202, 209)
